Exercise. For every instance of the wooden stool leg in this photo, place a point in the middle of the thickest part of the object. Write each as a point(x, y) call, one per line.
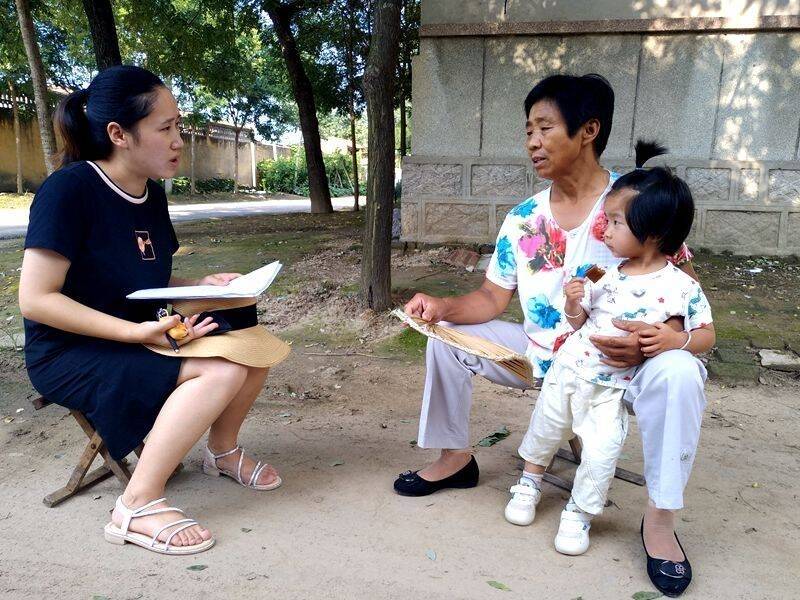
point(79, 479)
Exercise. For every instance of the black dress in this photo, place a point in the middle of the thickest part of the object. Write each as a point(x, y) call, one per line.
point(116, 244)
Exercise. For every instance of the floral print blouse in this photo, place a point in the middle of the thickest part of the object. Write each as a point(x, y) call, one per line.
point(536, 257)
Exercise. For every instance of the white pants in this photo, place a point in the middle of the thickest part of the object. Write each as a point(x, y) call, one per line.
point(596, 413)
point(667, 396)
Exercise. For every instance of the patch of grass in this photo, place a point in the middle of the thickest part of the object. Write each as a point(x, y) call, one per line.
point(15, 200)
point(406, 344)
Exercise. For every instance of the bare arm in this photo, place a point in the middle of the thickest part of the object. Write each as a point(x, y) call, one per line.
point(574, 291)
point(41, 300)
point(484, 304)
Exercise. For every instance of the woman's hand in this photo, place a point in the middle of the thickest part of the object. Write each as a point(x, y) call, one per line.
point(155, 332)
point(427, 308)
point(218, 279)
point(659, 338)
point(623, 351)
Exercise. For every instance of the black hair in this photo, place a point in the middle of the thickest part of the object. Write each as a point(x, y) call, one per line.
point(663, 207)
point(123, 94)
point(579, 99)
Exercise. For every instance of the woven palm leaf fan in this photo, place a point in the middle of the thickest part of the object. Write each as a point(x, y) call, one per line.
point(517, 364)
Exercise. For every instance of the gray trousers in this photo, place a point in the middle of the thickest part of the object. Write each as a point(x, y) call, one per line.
point(666, 393)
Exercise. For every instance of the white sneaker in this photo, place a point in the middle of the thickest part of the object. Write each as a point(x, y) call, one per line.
point(573, 533)
point(521, 509)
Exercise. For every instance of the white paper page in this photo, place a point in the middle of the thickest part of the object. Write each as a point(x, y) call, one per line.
point(246, 286)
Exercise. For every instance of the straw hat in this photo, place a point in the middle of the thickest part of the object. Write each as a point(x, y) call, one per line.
point(248, 343)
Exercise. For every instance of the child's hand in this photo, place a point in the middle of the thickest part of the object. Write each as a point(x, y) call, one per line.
point(659, 338)
point(574, 290)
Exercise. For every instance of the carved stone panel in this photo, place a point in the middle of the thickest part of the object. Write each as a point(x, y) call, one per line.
point(709, 185)
point(793, 238)
point(742, 231)
point(749, 181)
point(457, 220)
point(432, 179)
point(784, 187)
point(408, 220)
point(498, 180)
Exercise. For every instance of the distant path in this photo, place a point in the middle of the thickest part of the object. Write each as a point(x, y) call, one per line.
point(14, 221)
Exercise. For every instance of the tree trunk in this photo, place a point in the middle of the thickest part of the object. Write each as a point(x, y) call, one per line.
point(403, 145)
point(379, 84)
point(354, 152)
point(104, 33)
point(352, 93)
point(39, 80)
point(236, 159)
point(192, 185)
point(304, 97)
point(12, 90)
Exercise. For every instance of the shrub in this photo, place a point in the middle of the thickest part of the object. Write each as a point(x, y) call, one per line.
point(181, 185)
point(290, 175)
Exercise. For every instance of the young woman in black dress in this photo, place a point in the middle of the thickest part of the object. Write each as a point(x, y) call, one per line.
point(99, 229)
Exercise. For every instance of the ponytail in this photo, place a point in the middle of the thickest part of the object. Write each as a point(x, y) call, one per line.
point(123, 94)
point(74, 128)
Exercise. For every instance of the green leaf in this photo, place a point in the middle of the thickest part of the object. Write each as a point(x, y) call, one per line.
point(493, 438)
point(246, 530)
point(337, 462)
point(197, 567)
point(646, 595)
point(499, 586)
point(98, 597)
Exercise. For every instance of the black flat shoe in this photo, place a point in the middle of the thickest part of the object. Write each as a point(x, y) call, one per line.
point(411, 484)
point(670, 578)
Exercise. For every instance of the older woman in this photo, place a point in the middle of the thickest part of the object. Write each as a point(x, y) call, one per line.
point(568, 124)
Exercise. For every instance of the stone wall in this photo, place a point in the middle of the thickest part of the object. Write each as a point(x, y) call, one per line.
point(719, 88)
point(746, 207)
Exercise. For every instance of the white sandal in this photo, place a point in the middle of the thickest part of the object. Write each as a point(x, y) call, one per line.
point(210, 468)
point(120, 535)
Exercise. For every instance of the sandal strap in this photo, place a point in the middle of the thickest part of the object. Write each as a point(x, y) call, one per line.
point(256, 473)
point(158, 511)
point(185, 523)
point(224, 454)
point(239, 468)
point(136, 512)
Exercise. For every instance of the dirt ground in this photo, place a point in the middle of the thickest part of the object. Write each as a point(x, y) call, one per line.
point(339, 419)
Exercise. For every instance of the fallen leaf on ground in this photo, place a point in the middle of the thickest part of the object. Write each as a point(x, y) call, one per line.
point(646, 595)
point(197, 568)
point(499, 586)
point(493, 438)
point(430, 554)
point(337, 462)
point(246, 530)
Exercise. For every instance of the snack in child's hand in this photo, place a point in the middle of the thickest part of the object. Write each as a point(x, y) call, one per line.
point(594, 273)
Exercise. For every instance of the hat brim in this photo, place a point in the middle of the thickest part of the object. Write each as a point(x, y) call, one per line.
point(251, 346)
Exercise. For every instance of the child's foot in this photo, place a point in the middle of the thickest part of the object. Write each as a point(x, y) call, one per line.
point(521, 509)
point(573, 532)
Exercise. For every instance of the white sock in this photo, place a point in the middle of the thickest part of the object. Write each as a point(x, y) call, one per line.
point(532, 479)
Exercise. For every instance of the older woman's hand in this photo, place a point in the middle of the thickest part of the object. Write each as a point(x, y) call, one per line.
point(622, 351)
point(428, 308)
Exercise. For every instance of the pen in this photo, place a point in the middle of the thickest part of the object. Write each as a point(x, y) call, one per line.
point(161, 313)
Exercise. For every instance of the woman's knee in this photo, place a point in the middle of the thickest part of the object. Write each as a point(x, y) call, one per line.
point(677, 368)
